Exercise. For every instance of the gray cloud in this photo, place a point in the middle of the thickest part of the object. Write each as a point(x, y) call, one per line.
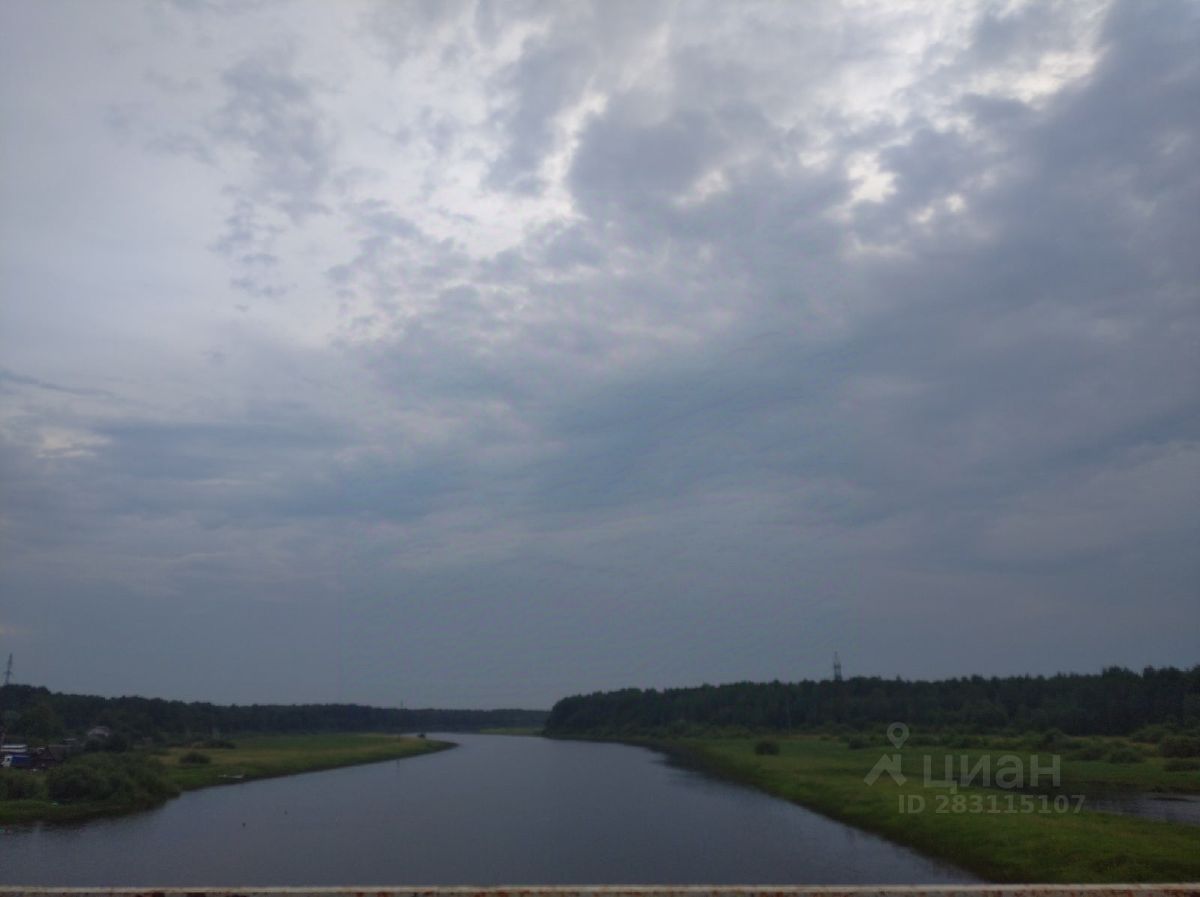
point(663, 348)
point(271, 113)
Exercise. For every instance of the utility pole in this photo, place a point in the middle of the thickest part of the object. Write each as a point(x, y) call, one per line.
point(7, 680)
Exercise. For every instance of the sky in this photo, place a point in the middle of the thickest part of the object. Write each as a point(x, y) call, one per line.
point(474, 354)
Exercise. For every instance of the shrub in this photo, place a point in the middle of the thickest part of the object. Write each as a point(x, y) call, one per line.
point(1153, 734)
point(1050, 738)
point(766, 747)
point(1180, 764)
point(115, 743)
point(856, 742)
point(21, 785)
point(1180, 746)
point(1089, 752)
point(115, 778)
point(194, 758)
point(1125, 755)
point(1057, 740)
point(219, 743)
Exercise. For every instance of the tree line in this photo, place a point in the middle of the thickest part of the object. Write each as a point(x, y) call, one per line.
point(39, 714)
point(1117, 701)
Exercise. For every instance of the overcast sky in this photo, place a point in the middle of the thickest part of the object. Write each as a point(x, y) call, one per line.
point(475, 354)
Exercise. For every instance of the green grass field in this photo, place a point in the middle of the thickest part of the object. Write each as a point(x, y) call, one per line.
point(264, 756)
point(254, 757)
point(979, 833)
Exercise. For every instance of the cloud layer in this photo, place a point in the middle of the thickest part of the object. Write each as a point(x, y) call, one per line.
point(474, 354)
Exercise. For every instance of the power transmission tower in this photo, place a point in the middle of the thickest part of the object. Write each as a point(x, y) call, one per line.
point(837, 668)
point(8, 671)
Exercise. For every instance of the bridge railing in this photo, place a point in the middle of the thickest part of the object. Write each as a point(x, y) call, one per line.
point(1118, 890)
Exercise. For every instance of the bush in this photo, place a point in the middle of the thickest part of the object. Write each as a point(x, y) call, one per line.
point(1180, 764)
point(1089, 752)
point(115, 743)
point(1180, 746)
point(194, 758)
point(1153, 734)
point(766, 747)
point(18, 784)
point(856, 742)
point(1125, 755)
point(1057, 740)
point(110, 778)
point(219, 743)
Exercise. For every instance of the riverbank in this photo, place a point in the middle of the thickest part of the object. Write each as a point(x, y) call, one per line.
point(252, 757)
point(524, 731)
point(267, 756)
point(974, 828)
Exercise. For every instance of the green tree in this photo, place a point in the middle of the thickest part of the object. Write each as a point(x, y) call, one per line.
point(40, 724)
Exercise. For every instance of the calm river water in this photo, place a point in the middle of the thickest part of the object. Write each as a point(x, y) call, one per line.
point(495, 810)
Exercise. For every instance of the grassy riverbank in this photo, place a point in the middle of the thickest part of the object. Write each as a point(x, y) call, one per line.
point(266, 756)
point(979, 833)
point(253, 757)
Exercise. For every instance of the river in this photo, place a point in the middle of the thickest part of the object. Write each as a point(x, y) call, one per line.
point(495, 810)
point(1180, 809)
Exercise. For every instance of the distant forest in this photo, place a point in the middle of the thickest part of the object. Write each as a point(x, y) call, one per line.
point(46, 713)
point(1117, 701)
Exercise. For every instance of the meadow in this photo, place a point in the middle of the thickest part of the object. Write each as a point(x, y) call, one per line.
point(265, 756)
point(1001, 835)
point(103, 784)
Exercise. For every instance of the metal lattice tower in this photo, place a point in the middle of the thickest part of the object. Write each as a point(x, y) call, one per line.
point(8, 671)
point(837, 668)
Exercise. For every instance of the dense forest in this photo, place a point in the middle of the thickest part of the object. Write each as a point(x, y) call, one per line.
point(38, 713)
point(1117, 701)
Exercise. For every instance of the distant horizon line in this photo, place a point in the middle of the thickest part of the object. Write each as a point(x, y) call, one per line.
point(1103, 670)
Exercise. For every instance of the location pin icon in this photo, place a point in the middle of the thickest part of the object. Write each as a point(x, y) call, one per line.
point(897, 734)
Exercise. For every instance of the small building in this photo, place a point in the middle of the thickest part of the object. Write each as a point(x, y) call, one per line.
point(98, 733)
point(15, 756)
point(46, 757)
